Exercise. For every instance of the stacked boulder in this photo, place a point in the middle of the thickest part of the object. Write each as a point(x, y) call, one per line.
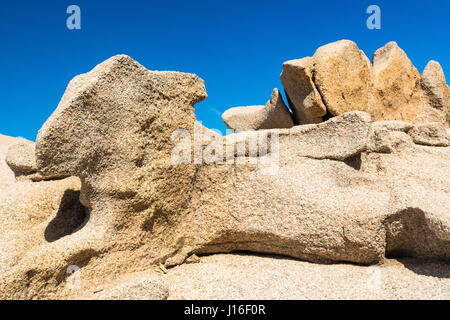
point(273, 115)
point(345, 189)
point(21, 159)
point(339, 78)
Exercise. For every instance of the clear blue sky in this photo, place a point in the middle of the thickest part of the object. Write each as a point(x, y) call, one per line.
point(236, 46)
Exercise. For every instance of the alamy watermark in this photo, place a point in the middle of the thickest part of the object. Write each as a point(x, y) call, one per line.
point(374, 20)
point(73, 22)
point(205, 146)
point(73, 277)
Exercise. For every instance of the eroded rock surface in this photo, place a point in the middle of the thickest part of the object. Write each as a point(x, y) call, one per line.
point(301, 91)
point(437, 93)
point(340, 78)
point(20, 158)
point(136, 286)
point(342, 75)
point(328, 196)
point(273, 115)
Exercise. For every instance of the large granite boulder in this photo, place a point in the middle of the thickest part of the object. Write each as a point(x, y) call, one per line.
point(395, 92)
point(273, 115)
point(301, 91)
point(22, 161)
point(342, 74)
point(437, 93)
point(315, 192)
point(340, 78)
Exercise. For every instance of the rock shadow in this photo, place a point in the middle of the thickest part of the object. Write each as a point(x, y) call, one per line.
point(71, 217)
point(430, 268)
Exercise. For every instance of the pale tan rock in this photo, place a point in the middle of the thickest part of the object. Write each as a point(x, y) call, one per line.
point(257, 277)
point(134, 112)
point(6, 174)
point(34, 214)
point(20, 158)
point(302, 94)
point(340, 78)
point(393, 125)
point(193, 259)
point(430, 134)
point(342, 75)
point(395, 92)
point(387, 141)
point(437, 91)
point(338, 138)
point(326, 199)
point(136, 286)
point(273, 115)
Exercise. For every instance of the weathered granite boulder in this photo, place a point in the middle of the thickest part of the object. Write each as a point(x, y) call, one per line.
point(395, 92)
point(303, 97)
point(20, 158)
point(340, 78)
point(342, 74)
point(437, 93)
point(316, 192)
point(273, 115)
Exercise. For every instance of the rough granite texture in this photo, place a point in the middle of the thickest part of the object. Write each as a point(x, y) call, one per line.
point(22, 161)
point(273, 115)
point(251, 277)
point(437, 92)
point(20, 158)
point(303, 96)
point(340, 78)
point(346, 190)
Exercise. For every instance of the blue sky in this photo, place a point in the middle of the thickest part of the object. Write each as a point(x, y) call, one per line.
point(236, 46)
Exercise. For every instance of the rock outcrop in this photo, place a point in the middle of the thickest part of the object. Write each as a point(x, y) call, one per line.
point(21, 159)
point(301, 91)
point(430, 134)
point(136, 286)
point(342, 73)
point(437, 92)
point(6, 174)
point(348, 189)
point(340, 78)
point(273, 115)
point(33, 214)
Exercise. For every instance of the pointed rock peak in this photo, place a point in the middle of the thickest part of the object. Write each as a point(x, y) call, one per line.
point(301, 92)
point(341, 74)
point(387, 48)
point(275, 98)
point(390, 52)
point(119, 60)
point(336, 47)
point(391, 45)
point(274, 115)
point(433, 70)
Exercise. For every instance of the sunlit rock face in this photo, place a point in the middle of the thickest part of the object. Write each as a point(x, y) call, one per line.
point(347, 189)
point(339, 78)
